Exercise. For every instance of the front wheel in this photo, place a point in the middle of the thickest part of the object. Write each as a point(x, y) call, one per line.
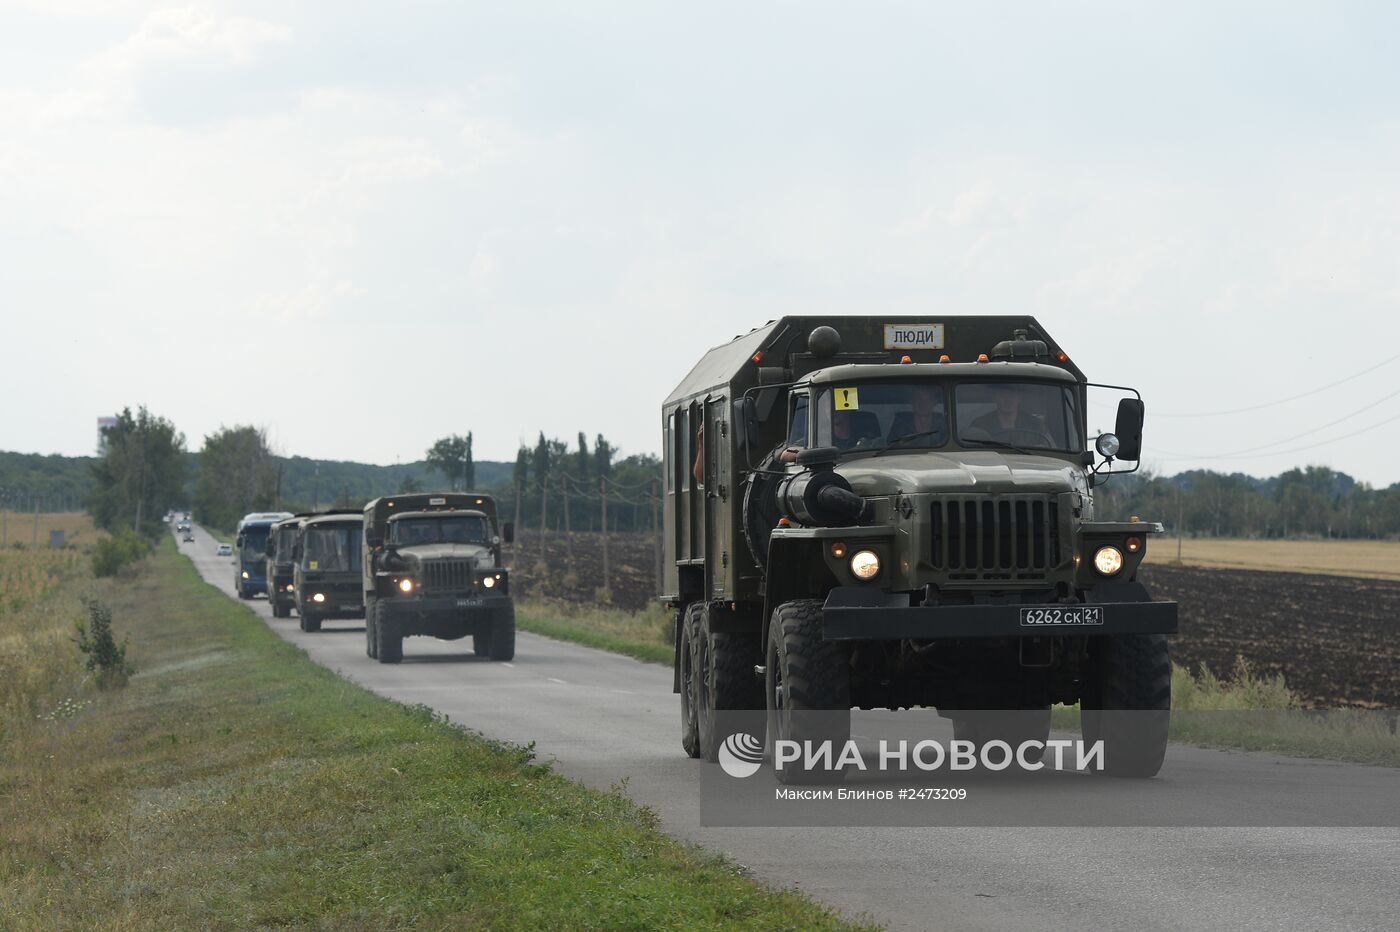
point(807, 685)
point(370, 612)
point(1127, 703)
point(503, 635)
point(687, 627)
point(388, 642)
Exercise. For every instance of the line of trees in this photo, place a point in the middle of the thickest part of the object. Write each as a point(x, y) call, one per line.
point(141, 474)
point(1313, 501)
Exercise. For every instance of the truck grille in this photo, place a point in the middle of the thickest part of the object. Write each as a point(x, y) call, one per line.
point(1004, 537)
point(446, 575)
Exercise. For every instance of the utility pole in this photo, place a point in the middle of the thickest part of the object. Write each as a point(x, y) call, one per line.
point(1180, 523)
point(603, 488)
point(544, 509)
point(34, 539)
point(655, 533)
point(568, 529)
point(316, 490)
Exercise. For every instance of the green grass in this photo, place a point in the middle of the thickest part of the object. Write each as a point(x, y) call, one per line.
point(645, 635)
point(234, 784)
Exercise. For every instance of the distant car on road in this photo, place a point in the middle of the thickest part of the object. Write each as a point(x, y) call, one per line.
point(225, 550)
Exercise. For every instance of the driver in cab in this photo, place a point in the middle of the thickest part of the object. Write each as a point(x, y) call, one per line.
point(1004, 421)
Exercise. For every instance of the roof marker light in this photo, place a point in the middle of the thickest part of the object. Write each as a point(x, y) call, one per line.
point(1062, 356)
point(757, 357)
point(944, 359)
point(905, 360)
point(982, 357)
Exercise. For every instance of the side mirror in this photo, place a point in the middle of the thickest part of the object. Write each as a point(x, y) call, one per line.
point(746, 422)
point(1129, 429)
point(508, 532)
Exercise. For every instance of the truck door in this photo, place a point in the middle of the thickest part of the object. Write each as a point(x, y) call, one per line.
point(716, 496)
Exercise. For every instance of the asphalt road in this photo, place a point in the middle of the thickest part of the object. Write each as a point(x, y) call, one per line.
point(607, 720)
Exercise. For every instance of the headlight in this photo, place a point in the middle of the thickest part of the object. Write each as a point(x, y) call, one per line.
point(1107, 445)
point(865, 564)
point(291, 587)
point(318, 597)
point(489, 582)
point(1108, 560)
point(405, 585)
point(245, 574)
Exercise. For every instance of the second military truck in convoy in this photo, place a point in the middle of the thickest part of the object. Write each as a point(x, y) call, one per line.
point(281, 545)
point(899, 512)
point(326, 575)
point(432, 566)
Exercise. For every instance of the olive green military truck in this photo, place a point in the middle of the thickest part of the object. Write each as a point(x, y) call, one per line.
point(326, 576)
point(432, 566)
point(281, 541)
point(899, 512)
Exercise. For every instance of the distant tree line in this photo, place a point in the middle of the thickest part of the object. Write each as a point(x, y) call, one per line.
point(1312, 501)
point(554, 485)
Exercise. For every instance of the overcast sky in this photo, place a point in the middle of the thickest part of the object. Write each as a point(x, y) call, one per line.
point(364, 226)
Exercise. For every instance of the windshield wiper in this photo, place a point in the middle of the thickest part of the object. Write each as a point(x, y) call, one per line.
point(894, 444)
point(998, 443)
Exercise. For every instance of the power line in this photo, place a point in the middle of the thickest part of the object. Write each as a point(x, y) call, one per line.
point(1274, 404)
point(1311, 446)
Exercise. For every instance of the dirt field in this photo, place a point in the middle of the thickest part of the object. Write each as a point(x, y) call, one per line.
point(1378, 559)
point(570, 568)
point(18, 528)
point(1335, 639)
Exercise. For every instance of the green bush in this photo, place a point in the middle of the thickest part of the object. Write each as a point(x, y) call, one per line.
point(105, 656)
point(119, 550)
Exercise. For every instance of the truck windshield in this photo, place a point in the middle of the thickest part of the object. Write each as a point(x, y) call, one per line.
point(253, 545)
point(1028, 415)
point(883, 414)
point(458, 529)
point(332, 549)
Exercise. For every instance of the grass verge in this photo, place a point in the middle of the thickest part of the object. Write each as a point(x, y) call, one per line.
point(644, 635)
point(1242, 711)
point(233, 783)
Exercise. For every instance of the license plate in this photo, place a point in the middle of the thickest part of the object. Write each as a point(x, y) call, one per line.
point(1062, 616)
point(469, 603)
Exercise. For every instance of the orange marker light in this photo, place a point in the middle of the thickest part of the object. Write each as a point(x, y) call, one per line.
point(1061, 356)
point(784, 522)
point(757, 357)
point(838, 550)
point(905, 360)
point(982, 357)
point(1134, 544)
point(944, 359)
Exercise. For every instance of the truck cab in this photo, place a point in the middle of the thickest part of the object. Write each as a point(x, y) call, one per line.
point(281, 542)
point(326, 571)
point(432, 566)
point(900, 513)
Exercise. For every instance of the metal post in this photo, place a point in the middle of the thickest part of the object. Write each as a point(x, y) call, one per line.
point(1180, 526)
point(656, 532)
point(34, 540)
point(568, 528)
point(607, 582)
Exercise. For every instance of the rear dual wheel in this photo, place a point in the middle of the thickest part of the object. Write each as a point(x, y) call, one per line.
point(721, 697)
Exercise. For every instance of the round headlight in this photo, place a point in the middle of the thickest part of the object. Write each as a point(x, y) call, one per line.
point(405, 585)
point(318, 597)
point(865, 564)
point(245, 574)
point(1108, 560)
point(488, 582)
point(1107, 445)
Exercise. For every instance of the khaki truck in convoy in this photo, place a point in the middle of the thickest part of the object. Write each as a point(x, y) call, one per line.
point(326, 575)
point(281, 542)
point(899, 512)
point(432, 566)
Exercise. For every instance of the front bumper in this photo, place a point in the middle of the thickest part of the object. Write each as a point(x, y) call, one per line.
point(443, 604)
point(859, 614)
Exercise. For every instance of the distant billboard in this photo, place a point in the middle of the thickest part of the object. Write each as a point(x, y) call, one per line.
point(103, 422)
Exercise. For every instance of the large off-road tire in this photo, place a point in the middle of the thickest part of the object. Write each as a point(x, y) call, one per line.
point(1127, 702)
point(310, 622)
point(689, 627)
point(279, 610)
point(388, 642)
point(807, 686)
point(503, 635)
point(1014, 726)
point(725, 687)
point(242, 593)
point(371, 646)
